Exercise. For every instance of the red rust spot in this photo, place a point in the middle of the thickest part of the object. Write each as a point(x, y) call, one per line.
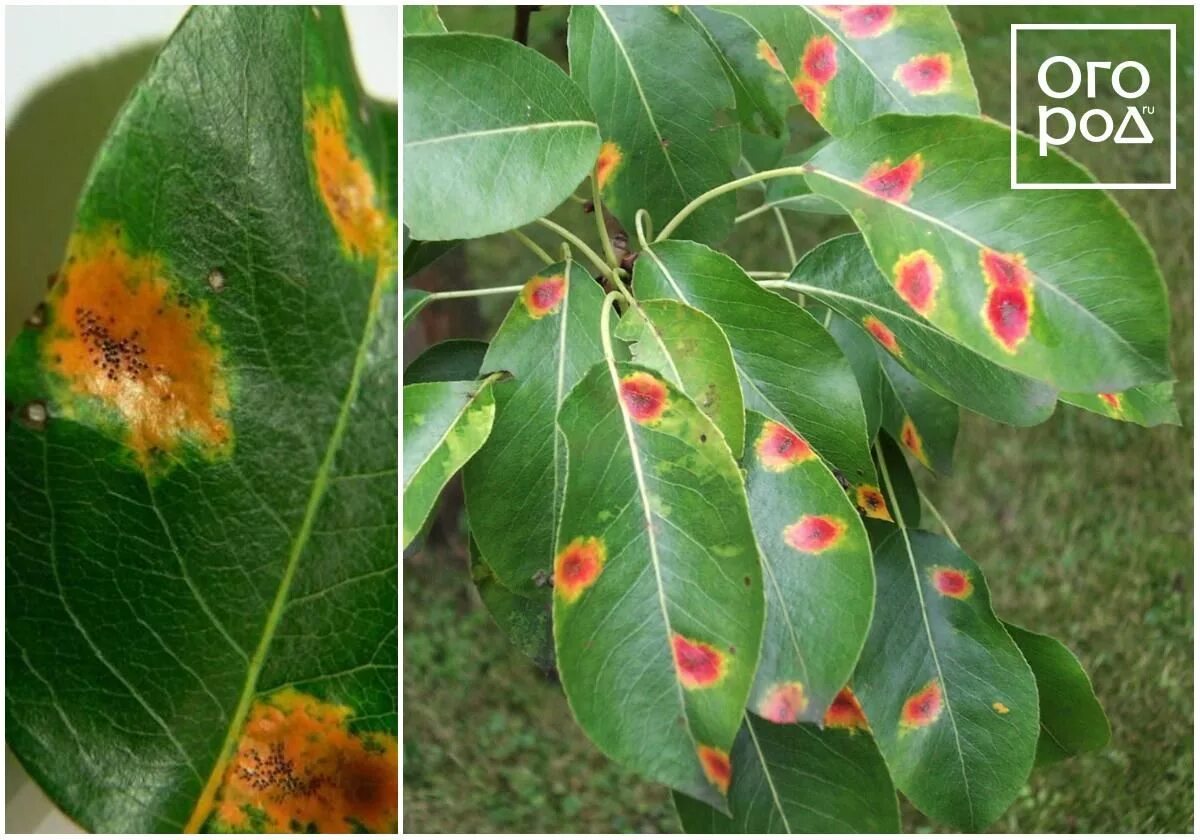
point(717, 768)
point(953, 583)
point(917, 277)
point(810, 94)
point(923, 708)
point(1007, 313)
point(124, 338)
point(779, 448)
point(845, 712)
point(911, 438)
point(577, 566)
point(784, 703)
point(925, 75)
point(607, 162)
point(882, 334)
point(1004, 270)
point(345, 184)
point(894, 183)
point(871, 502)
point(298, 767)
point(768, 55)
point(542, 295)
point(699, 665)
point(867, 21)
point(819, 62)
point(644, 397)
point(1113, 401)
point(814, 534)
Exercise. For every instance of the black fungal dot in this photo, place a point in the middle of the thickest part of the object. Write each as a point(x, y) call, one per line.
point(746, 580)
point(704, 438)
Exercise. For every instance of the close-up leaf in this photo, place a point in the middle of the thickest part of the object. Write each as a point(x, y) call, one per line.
point(1146, 405)
point(925, 424)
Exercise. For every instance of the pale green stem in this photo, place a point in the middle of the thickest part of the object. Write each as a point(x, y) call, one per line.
point(769, 275)
point(642, 234)
point(470, 293)
point(730, 186)
point(605, 269)
point(937, 514)
point(787, 237)
point(533, 246)
point(750, 214)
point(605, 334)
point(598, 211)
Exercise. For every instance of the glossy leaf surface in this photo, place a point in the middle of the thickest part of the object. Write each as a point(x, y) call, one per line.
point(817, 575)
point(666, 114)
point(1058, 285)
point(454, 360)
point(841, 274)
point(925, 424)
point(513, 487)
point(950, 700)
point(202, 514)
point(1147, 405)
point(800, 780)
point(495, 135)
point(658, 604)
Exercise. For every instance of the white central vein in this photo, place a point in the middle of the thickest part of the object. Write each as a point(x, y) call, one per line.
point(491, 132)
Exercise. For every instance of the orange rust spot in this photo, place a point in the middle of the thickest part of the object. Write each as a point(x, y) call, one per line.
point(953, 583)
point(871, 502)
point(344, 182)
point(845, 712)
point(699, 664)
point(123, 337)
point(1113, 402)
point(717, 768)
point(810, 94)
point(607, 162)
point(644, 397)
point(814, 534)
point(784, 703)
point(819, 61)
point(867, 21)
point(917, 277)
point(911, 438)
point(577, 566)
point(779, 448)
point(923, 708)
point(768, 55)
point(925, 75)
point(542, 295)
point(894, 183)
point(298, 767)
point(882, 334)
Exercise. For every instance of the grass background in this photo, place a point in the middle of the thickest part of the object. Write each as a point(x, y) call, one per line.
point(1083, 525)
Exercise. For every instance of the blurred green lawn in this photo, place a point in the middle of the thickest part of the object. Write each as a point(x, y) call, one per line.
point(1083, 525)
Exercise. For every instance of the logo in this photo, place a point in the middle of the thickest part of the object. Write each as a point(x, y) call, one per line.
point(1108, 86)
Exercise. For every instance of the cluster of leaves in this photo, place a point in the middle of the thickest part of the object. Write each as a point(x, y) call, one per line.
point(703, 513)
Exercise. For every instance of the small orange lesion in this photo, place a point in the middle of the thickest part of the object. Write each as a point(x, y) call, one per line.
point(346, 186)
point(122, 338)
point(298, 767)
point(606, 163)
point(870, 501)
point(912, 440)
point(768, 55)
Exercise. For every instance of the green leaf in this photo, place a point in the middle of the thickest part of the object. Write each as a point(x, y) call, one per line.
point(1072, 721)
point(445, 423)
point(790, 368)
point(851, 63)
point(800, 780)
point(201, 468)
point(422, 20)
point(1059, 286)
point(455, 360)
point(817, 575)
point(925, 424)
point(903, 491)
point(1147, 405)
point(793, 192)
point(526, 621)
point(414, 301)
point(950, 700)
point(513, 487)
point(841, 274)
point(420, 255)
point(658, 605)
point(760, 87)
point(661, 99)
point(495, 135)
point(690, 350)
point(859, 350)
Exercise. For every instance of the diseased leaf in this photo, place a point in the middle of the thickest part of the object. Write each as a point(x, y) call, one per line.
point(1147, 405)
point(851, 63)
point(841, 274)
point(760, 87)
point(790, 368)
point(1072, 720)
point(800, 780)
point(792, 192)
point(455, 360)
point(817, 576)
point(1059, 285)
point(445, 423)
point(661, 99)
point(859, 350)
point(526, 621)
point(422, 20)
point(495, 135)
point(658, 604)
point(925, 424)
point(690, 350)
point(903, 492)
point(201, 531)
point(513, 487)
point(950, 700)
